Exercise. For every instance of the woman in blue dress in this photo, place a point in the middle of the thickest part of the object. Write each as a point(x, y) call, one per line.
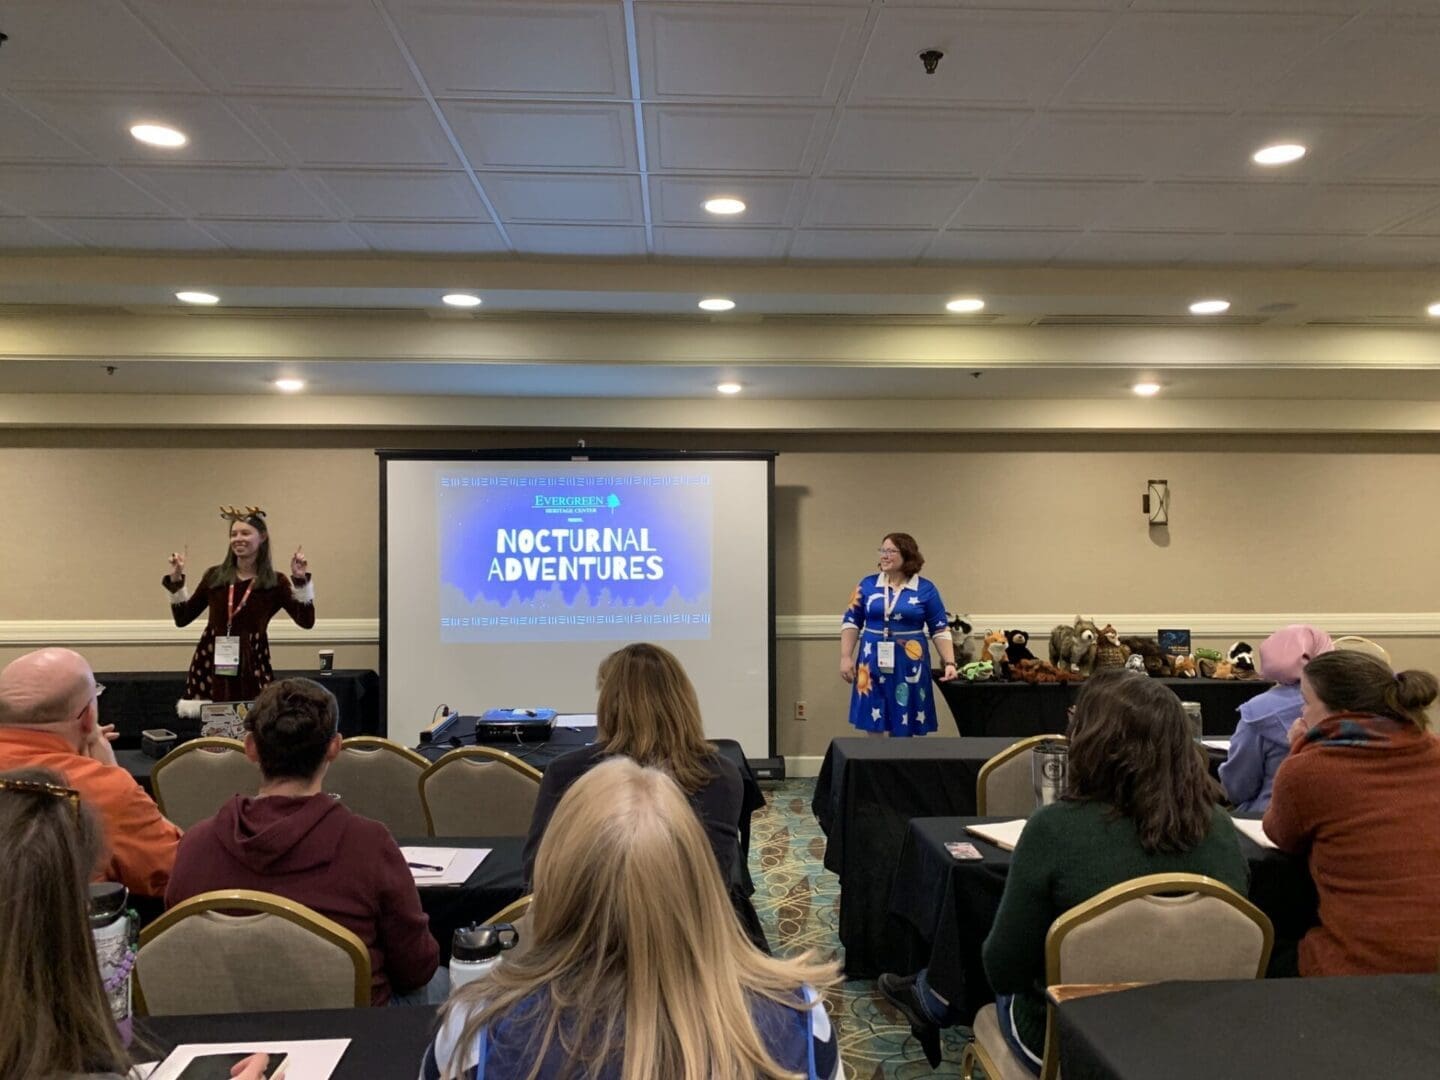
point(883, 653)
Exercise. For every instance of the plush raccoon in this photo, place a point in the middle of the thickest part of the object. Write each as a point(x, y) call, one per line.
point(967, 648)
point(1072, 648)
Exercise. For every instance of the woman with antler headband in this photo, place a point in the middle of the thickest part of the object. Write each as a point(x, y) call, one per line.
point(242, 595)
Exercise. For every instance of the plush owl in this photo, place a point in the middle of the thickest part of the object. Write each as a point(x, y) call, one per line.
point(1109, 652)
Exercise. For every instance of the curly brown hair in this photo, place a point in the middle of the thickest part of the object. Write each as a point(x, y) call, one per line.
point(911, 559)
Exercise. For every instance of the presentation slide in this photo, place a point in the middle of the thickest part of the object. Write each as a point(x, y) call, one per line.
point(507, 581)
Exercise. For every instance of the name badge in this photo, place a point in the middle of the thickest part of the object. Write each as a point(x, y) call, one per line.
point(885, 655)
point(227, 656)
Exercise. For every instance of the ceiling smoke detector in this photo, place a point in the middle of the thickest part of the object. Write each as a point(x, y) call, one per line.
point(931, 59)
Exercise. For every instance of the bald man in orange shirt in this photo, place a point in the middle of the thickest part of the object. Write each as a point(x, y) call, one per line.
point(49, 719)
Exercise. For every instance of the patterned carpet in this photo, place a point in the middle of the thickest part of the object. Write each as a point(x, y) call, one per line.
point(797, 899)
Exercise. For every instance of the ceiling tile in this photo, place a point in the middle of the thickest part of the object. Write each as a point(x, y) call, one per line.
point(1268, 207)
point(285, 45)
point(1290, 7)
point(24, 138)
point(730, 242)
point(61, 190)
point(19, 233)
point(1193, 60)
point(923, 142)
point(136, 235)
point(399, 196)
point(76, 44)
point(522, 49)
point(592, 138)
point(101, 124)
point(1136, 248)
point(450, 238)
point(714, 138)
point(1407, 251)
point(992, 57)
point(581, 241)
point(357, 132)
point(1035, 246)
point(1035, 204)
point(233, 193)
point(1412, 153)
point(896, 204)
point(778, 52)
point(558, 197)
point(316, 236)
point(1427, 224)
point(859, 245)
point(1375, 62)
point(1278, 250)
point(679, 200)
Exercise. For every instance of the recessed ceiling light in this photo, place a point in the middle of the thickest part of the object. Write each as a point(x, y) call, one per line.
point(1209, 307)
point(965, 305)
point(716, 303)
point(1434, 309)
point(728, 387)
point(725, 205)
point(159, 135)
point(1279, 154)
point(289, 386)
point(1146, 389)
point(197, 298)
point(460, 299)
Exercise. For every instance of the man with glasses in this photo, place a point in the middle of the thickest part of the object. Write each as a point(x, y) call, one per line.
point(50, 719)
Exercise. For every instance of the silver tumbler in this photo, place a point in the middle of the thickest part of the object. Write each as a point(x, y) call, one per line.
point(1049, 762)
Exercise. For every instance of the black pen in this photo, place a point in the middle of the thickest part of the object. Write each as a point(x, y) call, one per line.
point(425, 866)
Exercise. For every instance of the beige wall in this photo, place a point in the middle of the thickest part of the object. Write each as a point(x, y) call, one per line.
point(1023, 525)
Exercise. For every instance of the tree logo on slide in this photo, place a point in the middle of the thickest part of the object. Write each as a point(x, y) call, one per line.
point(612, 501)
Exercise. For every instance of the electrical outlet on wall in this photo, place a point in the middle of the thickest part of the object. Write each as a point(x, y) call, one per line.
point(802, 711)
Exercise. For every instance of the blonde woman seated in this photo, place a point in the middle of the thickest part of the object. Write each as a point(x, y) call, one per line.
point(648, 711)
point(636, 967)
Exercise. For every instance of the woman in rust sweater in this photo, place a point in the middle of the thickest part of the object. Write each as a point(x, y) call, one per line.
point(1359, 796)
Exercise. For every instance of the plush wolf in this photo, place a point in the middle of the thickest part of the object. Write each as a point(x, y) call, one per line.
point(1072, 648)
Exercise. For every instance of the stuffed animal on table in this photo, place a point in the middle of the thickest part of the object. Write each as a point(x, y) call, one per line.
point(1136, 663)
point(1017, 646)
point(1148, 649)
point(1215, 669)
point(1242, 658)
point(1208, 654)
point(978, 671)
point(967, 649)
point(1072, 648)
point(993, 649)
point(1109, 652)
point(1040, 671)
point(1183, 667)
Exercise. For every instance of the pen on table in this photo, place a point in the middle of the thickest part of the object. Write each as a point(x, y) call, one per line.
point(425, 866)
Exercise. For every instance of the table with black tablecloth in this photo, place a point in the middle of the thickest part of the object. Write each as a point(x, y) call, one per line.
point(867, 792)
point(1018, 709)
point(949, 904)
point(135, 701)
point(384, 1043)
point(493, 884)
point(1319, 1029)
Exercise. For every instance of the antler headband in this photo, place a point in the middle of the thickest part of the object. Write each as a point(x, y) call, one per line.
point(241, 513)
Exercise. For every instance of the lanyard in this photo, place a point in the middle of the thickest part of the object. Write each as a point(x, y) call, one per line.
point(890, 604)
point(231, 609)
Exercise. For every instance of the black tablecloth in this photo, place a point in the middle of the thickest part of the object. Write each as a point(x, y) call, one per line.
point(868, 791)
point(495, 883)
point(386, 1042)
point(136, 700)
point(1319, 1029)
point(1016, 709)
point(949, 905)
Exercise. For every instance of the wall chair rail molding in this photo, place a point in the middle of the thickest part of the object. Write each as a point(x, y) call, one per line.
point(1408, 624)
point(37, 633)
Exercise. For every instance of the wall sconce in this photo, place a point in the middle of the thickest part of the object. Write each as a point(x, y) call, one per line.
point(1156, 502)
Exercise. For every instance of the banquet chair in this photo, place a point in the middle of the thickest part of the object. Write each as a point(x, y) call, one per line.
point(1363, 644)
point(380, 779)
point(1005, 787)
point(1149, 929)
point(195, 779)
point(242, 951)
point(479, 791)
point(517, 914)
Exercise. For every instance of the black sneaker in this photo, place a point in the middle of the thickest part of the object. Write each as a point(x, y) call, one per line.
point(900, 991)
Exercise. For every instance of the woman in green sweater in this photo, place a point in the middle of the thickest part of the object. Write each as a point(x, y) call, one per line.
point(1139, 800)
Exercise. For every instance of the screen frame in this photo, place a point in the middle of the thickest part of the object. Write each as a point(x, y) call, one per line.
point(609, 454)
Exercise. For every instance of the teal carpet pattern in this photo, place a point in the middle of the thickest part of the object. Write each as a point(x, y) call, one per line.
point(798, 903)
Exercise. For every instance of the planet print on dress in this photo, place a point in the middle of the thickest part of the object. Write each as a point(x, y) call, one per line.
point(902, 694)
point(914, 650)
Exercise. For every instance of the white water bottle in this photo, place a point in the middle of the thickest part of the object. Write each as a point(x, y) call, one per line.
point(476, 950)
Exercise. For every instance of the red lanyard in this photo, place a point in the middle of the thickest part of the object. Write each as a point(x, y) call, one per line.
point(231, 609)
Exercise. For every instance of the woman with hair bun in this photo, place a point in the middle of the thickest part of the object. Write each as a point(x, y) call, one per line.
point(1359, 795)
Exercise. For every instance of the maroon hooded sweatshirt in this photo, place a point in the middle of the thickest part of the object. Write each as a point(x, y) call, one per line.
point(318, 853)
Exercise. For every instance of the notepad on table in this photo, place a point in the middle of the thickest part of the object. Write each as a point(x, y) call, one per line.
point(1252, 828)
point(1003, 834)
point(443, 866)
point(1216, 744)
point(305, 1059)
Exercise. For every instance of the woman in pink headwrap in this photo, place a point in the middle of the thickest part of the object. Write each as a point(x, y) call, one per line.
point(1262, 738)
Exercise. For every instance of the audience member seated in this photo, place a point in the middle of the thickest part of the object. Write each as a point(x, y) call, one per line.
point(648, 712)
point(294, 840)
point(636, 967)
point(1359, 796)
point(1138, 800)
point(1262, 738)
point(49, 719)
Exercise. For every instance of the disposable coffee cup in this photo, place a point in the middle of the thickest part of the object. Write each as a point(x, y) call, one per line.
point(327, 661)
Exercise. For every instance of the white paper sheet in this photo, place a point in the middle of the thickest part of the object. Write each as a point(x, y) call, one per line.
point(1217, 744)
point(458, 864)
point(576, 720)
point(1253, 829)
point(1003, 834)
point(309, 1059)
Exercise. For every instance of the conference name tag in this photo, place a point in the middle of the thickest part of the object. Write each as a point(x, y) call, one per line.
point(885, 655)
point(227, 655)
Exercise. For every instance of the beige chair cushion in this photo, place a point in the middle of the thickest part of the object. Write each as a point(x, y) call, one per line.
point(480, 798)
point(196, 784)
point(1010, 788)
point(987, 1035)
point(1154, 938)
point(382, 785)
point(216, 963)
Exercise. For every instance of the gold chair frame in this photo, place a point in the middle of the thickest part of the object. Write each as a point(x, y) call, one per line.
point(1013, 750)
point(513, 910)
point(210, 742)
point(472, 753)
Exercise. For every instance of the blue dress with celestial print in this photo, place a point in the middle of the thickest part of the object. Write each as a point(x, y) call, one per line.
point(902, 701)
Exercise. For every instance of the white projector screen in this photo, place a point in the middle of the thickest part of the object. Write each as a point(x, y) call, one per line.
point(506, 579)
